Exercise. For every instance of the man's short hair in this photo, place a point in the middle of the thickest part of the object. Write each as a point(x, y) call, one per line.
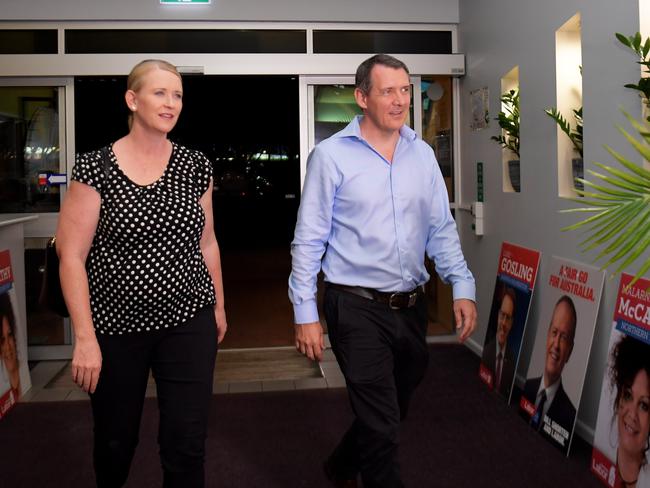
point(510, 292)
point(574, 316)
point(362, 78)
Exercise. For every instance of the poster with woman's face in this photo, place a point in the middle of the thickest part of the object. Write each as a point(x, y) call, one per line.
point(621, 445)
point(11, 344)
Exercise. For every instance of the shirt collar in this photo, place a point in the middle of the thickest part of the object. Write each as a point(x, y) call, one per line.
point(353, 129)
point(550, 391)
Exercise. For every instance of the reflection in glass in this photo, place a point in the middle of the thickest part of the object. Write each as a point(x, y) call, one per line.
point(44, 327)
point(334, 108)
point(437, 132)
point(437, 124)
point(29, 149)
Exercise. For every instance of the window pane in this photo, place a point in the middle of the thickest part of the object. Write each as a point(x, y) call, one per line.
point(437, 123)
point(82, 41)
point(403, 42)
point(29, 147)
point(44, 327)
point(334, 108)
point(28, 41)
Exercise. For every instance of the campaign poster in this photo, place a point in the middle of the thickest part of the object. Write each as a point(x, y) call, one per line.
point(569, 298)
point(513, 291)
point(13, 362)
point(620, 454)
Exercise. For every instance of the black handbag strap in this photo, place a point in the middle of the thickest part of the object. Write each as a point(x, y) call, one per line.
point(106, 160)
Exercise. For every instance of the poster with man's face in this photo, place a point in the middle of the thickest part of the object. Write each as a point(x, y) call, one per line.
point(513, 291)
point(569, 297)
point(13, 355)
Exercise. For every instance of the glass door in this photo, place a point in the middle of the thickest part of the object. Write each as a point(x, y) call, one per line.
point(33, 172)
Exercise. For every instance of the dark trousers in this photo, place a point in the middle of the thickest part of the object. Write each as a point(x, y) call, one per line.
point(383, 356)
point(182, 361)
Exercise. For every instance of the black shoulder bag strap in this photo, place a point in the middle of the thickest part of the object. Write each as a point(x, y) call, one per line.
point(106, 161)
point(51, 295)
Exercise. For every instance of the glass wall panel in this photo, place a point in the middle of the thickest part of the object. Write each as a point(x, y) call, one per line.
point(44, 327)
point(22, 41)
point(403, 42)
point(29, 149)
point(437, 124)
point(87, 41)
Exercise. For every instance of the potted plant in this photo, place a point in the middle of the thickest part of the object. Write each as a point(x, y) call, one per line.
point(575, 136)
point(509, 138)
point(619, 201)
point(642, 50)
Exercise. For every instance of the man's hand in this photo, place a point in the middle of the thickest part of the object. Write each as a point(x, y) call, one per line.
point(465, 313)
point(309, 340)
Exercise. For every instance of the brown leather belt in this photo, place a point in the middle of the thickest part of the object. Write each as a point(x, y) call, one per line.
point(395, 300)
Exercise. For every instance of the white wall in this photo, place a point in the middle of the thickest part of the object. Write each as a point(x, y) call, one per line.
point(444, 11)
point(495, 36)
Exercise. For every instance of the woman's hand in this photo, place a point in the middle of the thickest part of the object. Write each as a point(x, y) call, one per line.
point(222, 325)
point(86, 364)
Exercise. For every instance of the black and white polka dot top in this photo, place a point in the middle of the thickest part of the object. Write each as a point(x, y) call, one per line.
point(145, 267)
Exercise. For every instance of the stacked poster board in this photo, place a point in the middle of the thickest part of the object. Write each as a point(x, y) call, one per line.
point(513, 291)
point(621, 454)
point(13, 350)
point(569, 299)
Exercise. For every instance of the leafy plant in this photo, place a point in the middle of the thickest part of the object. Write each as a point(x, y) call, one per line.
point(620, 202)
point(641, 49)
point(509, 121)
point(575, 135)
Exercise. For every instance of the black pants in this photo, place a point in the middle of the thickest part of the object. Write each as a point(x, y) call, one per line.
point(383, 356)
point(182, 360)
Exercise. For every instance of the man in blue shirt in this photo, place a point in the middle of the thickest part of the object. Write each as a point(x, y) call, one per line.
point(373, 203)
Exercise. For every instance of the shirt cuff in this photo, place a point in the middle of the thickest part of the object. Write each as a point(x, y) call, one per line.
point(464, 289)
point(306, 312)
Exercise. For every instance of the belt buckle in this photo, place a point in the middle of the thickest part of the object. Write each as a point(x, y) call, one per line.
point(390, 301)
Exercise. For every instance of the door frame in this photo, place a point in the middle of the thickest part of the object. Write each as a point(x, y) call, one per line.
point(44, 226)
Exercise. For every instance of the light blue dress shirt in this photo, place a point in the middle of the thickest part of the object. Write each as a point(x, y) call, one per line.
point(374, 221)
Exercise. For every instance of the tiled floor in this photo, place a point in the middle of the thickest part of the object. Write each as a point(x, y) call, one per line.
point(237, 371)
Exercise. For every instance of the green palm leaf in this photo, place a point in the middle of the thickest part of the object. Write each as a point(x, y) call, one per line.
point(608, 228)
point(639, 184)
point(619, 199)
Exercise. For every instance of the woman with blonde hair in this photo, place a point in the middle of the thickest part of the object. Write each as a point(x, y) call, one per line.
point(141, 276)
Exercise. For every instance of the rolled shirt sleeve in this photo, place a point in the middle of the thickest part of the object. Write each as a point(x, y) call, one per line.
point(313, 228)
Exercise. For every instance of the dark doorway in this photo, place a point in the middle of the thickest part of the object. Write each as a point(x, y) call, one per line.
point(248, 126)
